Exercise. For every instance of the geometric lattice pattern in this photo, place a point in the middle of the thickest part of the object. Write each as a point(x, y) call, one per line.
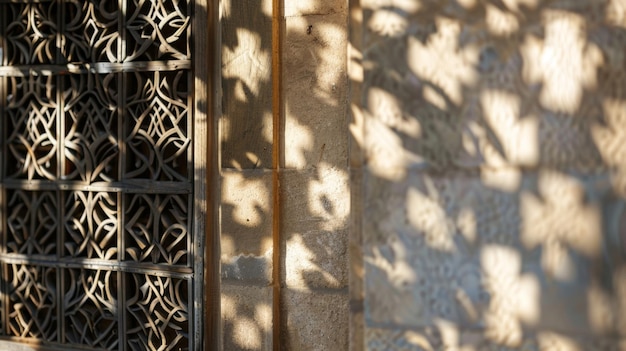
point(32, 120)
point(91, 140)
point(91, 225)
point(32, 302)
point(156, 228)
point(96, 205)
point(90, 308)
point(157, 139)
point(163, 296)
point(32, 222)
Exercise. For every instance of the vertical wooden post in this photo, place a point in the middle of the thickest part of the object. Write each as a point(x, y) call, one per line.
point(277, 18)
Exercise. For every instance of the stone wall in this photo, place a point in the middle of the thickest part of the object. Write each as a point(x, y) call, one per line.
point(474, 200)
point(494, 179)
point(311, 309)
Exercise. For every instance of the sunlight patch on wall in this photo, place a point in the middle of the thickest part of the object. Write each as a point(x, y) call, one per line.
point(246, 213)
point(508, 179)
point(398, 270)
point(559, 220)
point(564, 63)
point(616, 13)
point(330, 72)
point(610, 140)
point(250, 64)
point(246, 333)
point(328, 200)
point(426, 215)
point(442, 62)
point(466, 222)
point(299, 139)
point(500, 22)
point(225, 8)
point(519, 136)
point(408, 6)
point(387, 155)
point(554, 341)
point(514, 5)
point(300, 262)
point(388, 23)
point(600, 308)
point(515, 297)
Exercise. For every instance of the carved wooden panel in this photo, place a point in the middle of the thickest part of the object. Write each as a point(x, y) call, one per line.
point(90, 303)
point(32, 302)
point(31, 115)
point(31, 222)
point(97, 180)
point(31, 32)
point(91, 121)
point(157, 131)
point(166, 297)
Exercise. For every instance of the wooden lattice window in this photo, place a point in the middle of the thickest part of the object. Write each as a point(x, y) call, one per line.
point(99, 244)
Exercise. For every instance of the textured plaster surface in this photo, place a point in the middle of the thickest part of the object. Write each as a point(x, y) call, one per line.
point(493, 198)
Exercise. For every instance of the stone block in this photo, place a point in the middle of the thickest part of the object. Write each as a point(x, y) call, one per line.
point(316, 260)
point(246, 317)
point(314, 8)
point(315, 207)
point(246, 213)
point(315, 199)
point(314, 320)
point(247, 268)
point(245, 131)
point(315, 90)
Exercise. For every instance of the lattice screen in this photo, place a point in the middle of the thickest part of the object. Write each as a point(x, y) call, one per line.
point(97, 173)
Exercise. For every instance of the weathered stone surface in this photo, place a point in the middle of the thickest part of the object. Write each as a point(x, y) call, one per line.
point(315, 88)
point(315, 199)
point(247, 268)
point(314, 320)
point(246, 122)
point(316, 260)
point(246, 317)
point(494, 202)
point(315, 238)
point(446, 336)
point(450, 86)
point(246, 226)
point(246, 213)
point(503, 258)
point(314, 8)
